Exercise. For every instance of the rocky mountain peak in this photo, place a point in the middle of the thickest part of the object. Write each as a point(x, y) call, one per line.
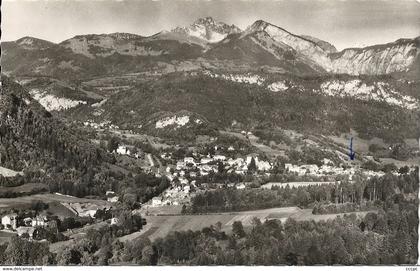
point(208, 30)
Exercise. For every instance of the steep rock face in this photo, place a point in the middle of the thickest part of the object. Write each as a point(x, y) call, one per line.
point(308, 49)
point(377, 91)
point(398, 56)
point(106, 45)
point(207, 29)
point(326, 46)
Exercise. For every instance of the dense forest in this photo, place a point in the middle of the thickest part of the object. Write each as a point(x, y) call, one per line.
point(380, 190)
point(388, 237)
point(53, 153)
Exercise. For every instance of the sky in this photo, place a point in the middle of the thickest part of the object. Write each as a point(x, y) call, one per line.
point(344, 23)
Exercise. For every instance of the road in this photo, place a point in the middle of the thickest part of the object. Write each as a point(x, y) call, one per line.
point(149, 157)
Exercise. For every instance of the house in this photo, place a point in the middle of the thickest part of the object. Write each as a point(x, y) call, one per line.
point(189, 160)
point(123, 150)
point(110, 193)
point(9, 221)
point(231, 148)
point(115, 221)
point(113, 199)
point(240, 186)
point(28, 230)
point(180, 165)
point(187, 189)
point(156, 201)
point(27, 221)
point(206, 160)
point(87, 213)
point(39, 221)
point(183, 180)
point(219, 157)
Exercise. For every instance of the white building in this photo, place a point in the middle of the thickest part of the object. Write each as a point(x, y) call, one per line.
point(189, 160)
point(39, 221)
point(9, 221)
point(240, 186)
point(187, 189)
point(114, 221)
point(123, 150)
point(261, 165)
point(206, 160)
point(156, 201)
point(180, 165)
point(219, 157)
point(113, 199)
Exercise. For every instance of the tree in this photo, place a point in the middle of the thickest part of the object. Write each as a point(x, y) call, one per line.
point(252, 167)
point(69, 256)
point(238, 229)
point(113, 144)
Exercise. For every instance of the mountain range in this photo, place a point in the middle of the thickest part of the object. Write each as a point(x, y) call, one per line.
point(210, 75)
point(205, 43)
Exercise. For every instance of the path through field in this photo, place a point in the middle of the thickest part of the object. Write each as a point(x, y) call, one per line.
point(149, 157)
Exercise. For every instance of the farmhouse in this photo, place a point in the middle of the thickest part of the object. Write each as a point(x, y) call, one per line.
point(156, 201)
point(9, 221)
point(113, 199)
point(123, 150)
point(240, 186)
point(115, 221)
point(39, 221)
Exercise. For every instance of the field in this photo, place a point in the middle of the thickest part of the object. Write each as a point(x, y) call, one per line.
point(8, 172)
point(160, 226)
point(25, 189)
point(5, 236)
point(253, 141)
point(54, 201)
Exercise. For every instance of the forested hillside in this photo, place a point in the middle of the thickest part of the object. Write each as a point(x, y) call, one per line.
point(46, 150)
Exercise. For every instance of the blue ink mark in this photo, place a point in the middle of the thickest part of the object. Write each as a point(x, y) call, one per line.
point(352, 154)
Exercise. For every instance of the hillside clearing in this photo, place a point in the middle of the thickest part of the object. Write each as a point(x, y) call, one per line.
point(6, 172)
point(160, 226)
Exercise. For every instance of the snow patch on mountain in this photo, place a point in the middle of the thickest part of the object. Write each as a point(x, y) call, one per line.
point(53, 103)
point(174, 120)
point(379, 91)
point(207, 29)
point(278, 86)
point(239, 78)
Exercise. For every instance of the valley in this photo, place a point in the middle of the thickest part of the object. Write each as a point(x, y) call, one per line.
point(207, 140)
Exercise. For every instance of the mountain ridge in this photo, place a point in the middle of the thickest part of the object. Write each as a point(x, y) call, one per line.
point(261, 43)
